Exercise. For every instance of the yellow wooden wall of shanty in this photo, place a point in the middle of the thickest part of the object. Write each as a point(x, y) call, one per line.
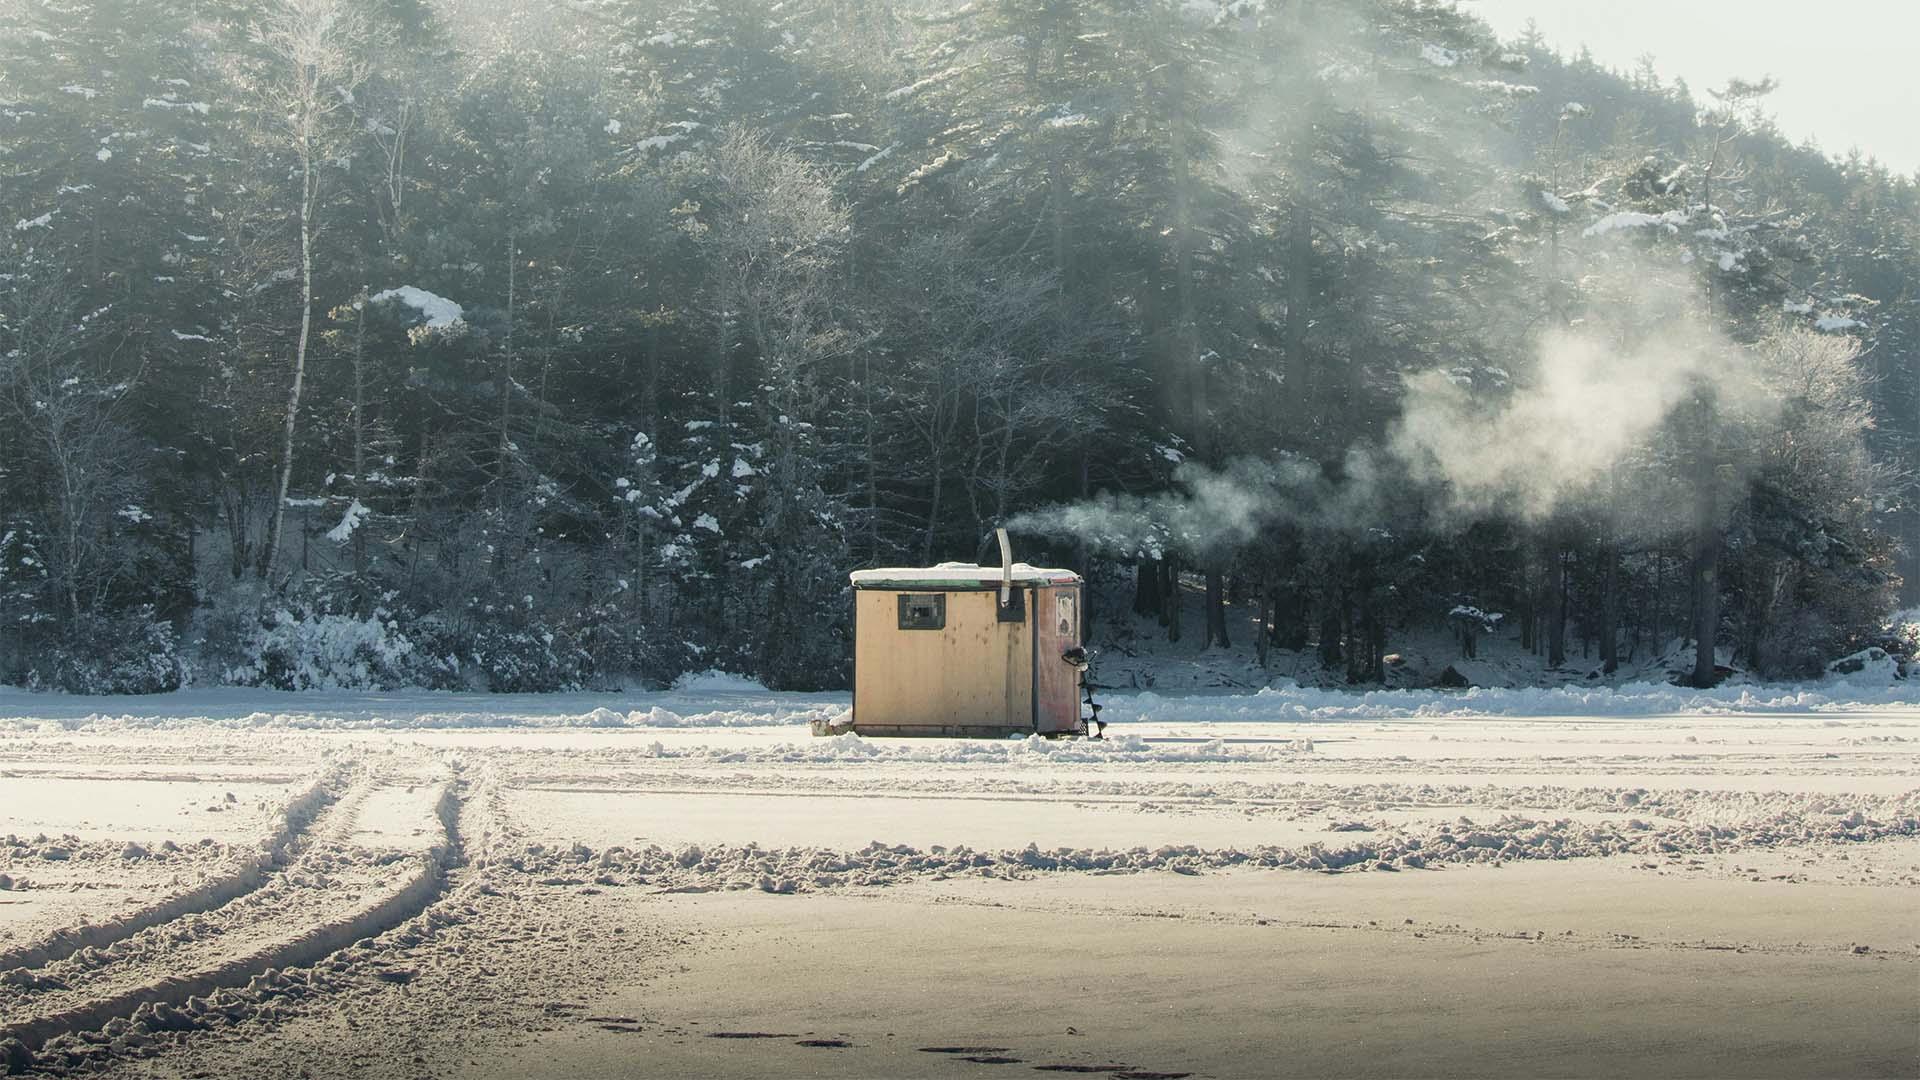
point(977, 671)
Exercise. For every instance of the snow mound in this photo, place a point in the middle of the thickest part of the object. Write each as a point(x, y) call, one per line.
point(1032, 750)
point(1873, 665)
point(1295, 704)
point(346, 657)
point(717, 682)
point(1697, 823)
point(757, 714)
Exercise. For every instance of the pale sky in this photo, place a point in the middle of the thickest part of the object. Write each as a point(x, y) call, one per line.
point(1848, 69)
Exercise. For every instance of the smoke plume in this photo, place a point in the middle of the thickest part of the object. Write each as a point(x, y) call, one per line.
point(1212, 511)
point(1576, 419)
point(1551, 443)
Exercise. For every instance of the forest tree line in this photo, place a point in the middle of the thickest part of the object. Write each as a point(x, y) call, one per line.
point(521, 346)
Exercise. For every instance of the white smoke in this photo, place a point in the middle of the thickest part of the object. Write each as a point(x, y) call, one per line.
point(1565, 437)
point(1208, 510)
point(1212, 511)
point(1552, 442)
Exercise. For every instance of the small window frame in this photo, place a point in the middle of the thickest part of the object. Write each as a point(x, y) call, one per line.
point(923, 611)
point(1066, 608)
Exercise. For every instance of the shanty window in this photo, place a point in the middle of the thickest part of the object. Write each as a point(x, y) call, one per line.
point(1067, 609)
point(923, 611)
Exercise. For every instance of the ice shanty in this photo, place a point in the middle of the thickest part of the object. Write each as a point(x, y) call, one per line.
point(965, 650)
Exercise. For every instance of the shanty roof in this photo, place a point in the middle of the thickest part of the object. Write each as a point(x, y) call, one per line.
point(957, 575)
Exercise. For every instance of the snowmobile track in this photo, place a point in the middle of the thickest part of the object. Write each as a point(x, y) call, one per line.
point(298, 816)
point(153, 1002)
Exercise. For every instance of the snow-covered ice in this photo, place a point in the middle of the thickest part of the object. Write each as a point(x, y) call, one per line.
point(448, 871)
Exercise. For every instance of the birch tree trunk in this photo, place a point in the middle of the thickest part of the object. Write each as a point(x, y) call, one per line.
point(320, 50)
point(272, 550)
point(359, 425)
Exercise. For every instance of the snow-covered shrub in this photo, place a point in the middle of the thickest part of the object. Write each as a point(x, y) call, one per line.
point(441, 646)
point(490, 653)
point(1903, 635)
point(626, 647)
point(304, 650)
point(532, 659)
point(130, 652)
point(1795, 644)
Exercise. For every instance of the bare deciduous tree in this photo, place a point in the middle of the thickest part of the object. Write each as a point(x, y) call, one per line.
point(68, 421)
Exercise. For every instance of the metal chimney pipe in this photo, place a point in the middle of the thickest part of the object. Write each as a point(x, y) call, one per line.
point(1006, 567)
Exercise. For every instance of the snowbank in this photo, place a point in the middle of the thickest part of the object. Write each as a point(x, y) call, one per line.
point(717, 682)
point(1873, 665)
point(715, 700)
point(741, 704)
point(1701, 824)
point(1294, 704)
point(1032, 750)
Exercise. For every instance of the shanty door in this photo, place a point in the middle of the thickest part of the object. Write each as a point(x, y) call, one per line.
point(1056, 682)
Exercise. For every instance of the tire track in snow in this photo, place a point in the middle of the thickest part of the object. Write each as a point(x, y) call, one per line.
point(130, 1014)
point(298, 815)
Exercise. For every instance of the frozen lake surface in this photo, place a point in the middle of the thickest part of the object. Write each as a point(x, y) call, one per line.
point(420, 884)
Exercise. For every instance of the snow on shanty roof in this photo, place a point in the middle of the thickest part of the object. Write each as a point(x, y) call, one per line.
point(957, 575)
